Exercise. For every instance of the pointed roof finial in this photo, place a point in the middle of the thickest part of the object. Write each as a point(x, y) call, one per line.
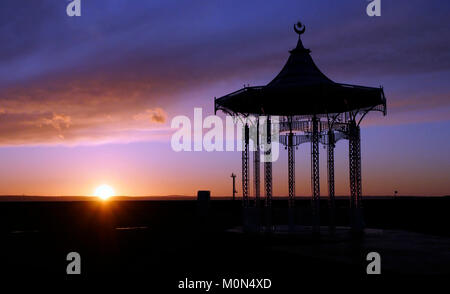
point(299, 28)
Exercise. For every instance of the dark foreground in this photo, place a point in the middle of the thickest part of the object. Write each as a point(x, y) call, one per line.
point(164, 242)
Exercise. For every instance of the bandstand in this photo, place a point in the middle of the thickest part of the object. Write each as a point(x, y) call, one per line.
point(311, 109)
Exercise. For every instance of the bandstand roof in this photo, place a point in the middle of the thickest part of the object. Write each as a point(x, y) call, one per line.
point(301, 89)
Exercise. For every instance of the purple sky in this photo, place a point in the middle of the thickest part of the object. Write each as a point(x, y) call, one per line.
point(88, 100)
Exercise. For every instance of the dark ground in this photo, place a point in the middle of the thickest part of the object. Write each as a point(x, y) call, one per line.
point(163, 242)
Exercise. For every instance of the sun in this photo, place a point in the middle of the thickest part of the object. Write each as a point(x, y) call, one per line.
point(104, 192)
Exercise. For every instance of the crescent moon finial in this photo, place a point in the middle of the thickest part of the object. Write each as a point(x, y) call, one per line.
point(299, 28)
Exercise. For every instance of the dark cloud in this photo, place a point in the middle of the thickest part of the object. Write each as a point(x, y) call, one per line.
point(121, 66)
point(66, 111)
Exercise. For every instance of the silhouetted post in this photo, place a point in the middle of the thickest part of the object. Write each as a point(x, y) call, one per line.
point(355, 176)
point(331, 191)
point(245, 171)
point(315, 180)
point(291, 170)
point(256, 167)
point(268, 175)
point(234, 185)
point(268, 164)
point(291, 177)
point(245, 177)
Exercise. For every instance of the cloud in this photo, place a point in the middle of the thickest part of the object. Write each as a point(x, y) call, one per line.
point(58, 121)
point(84, 110)
point(156, 115)
point(115, 73)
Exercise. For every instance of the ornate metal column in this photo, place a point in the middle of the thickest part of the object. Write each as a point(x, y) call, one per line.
point(256, 161)
point(291, 169)
point(315, 177)
point(268, 165)
point(331, 192)
point(355, 176)
point(291, 176)
point(268, 175)
point(245, 163)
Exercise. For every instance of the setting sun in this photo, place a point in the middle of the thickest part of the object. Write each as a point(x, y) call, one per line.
point(104, 192)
